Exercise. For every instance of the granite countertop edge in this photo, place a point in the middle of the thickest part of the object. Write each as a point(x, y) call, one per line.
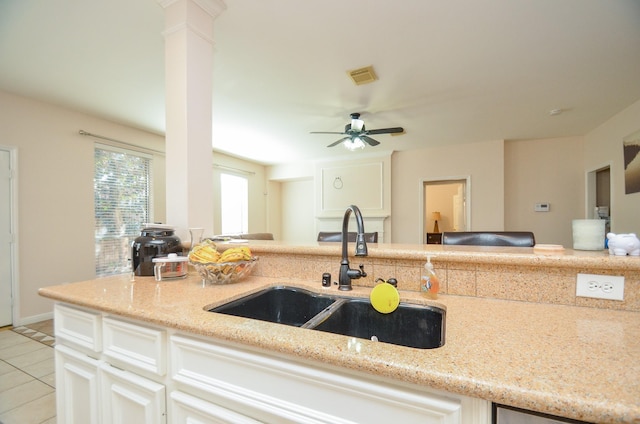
point(527, 256)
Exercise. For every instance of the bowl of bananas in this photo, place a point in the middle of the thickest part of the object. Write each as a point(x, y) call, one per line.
point(227, 267)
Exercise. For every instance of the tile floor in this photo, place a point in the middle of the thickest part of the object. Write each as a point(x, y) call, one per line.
point(27, 378)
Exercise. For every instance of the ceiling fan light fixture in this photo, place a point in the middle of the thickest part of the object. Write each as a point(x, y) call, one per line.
point(357, 124)
point(353, 143)
point(355, 135)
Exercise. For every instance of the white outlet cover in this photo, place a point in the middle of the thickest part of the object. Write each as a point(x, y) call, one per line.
point(584, 281)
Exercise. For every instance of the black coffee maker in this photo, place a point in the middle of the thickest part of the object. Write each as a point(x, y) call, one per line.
point(153, 242)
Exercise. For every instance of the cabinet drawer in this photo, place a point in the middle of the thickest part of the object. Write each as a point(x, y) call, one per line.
point(186, 409)
point(81, 329)
point(142, 347)
point(265, 388)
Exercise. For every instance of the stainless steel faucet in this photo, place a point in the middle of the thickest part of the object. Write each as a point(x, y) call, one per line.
point(347, 274)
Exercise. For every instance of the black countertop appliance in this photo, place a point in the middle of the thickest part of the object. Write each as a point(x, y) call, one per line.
point(153, 242)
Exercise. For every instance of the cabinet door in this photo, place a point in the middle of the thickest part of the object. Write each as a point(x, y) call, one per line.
point(185, 409)
point(128, 398)
point(77, 387)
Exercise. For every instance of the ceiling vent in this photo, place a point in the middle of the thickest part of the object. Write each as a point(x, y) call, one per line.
point(363, 75)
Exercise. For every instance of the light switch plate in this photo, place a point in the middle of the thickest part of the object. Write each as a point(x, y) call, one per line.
point(600, 286)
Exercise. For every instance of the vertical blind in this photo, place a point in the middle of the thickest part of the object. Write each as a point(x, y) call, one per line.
point(122, 198)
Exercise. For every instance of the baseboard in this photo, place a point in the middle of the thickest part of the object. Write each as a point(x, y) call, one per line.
point(33, 318)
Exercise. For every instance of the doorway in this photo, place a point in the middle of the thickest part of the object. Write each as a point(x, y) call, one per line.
point(445, 207)
point(7, 242)
point(598, 198)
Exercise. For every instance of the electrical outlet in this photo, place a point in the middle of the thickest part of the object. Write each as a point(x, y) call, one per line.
point(600, 286)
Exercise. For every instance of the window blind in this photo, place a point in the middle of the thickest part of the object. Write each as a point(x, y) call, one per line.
point(122, 198)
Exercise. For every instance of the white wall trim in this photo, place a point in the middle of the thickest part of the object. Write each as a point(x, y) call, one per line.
point(33, 319)
point(13, 249)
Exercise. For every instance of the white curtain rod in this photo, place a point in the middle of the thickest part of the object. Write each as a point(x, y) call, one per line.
point(124, 143)
point(144, 149)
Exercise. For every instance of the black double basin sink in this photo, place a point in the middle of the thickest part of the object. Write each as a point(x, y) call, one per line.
point(410, 325)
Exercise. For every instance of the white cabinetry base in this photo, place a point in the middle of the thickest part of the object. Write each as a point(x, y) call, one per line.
point(271, 389)
point(114, 371)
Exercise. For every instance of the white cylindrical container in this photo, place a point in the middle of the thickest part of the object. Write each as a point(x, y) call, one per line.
point(588, 234)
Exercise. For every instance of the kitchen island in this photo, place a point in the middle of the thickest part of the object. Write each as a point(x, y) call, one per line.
point(543, 350)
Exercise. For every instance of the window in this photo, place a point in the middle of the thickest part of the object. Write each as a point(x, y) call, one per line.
point(234, 204)
point(122, 197)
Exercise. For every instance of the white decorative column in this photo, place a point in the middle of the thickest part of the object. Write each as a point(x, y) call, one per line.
point(188, 96)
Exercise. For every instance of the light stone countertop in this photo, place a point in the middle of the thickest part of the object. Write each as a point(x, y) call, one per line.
point(493, 255)
point(576, 362)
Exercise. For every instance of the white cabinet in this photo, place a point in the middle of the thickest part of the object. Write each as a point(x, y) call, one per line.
point(79, 329)
point(113, 370)
point(134, 346)
point(128, 398)
point(77, 387)
point(186, 409)
point(275, 390)
point(88, 388)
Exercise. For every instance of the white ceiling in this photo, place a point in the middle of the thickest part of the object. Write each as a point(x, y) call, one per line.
point(450, 71)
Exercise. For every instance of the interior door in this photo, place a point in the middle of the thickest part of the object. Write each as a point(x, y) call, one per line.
point(6, 238)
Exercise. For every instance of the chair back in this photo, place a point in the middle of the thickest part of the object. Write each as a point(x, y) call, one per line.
point(487, 238)
point(351, 236)
point(245, 236)
point(256, 236)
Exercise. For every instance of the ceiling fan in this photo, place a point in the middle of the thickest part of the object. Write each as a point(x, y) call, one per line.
point(356, 135)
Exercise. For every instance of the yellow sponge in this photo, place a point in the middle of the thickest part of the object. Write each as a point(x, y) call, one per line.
point(384, 298)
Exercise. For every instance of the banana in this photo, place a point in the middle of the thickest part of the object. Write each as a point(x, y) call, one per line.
point(235, 254)
point(231, 257)
point(204, 253)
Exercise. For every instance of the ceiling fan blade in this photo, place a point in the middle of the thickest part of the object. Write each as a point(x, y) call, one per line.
point(324, 132)
point(335, 143)
point(386, 130)
point(370, 141)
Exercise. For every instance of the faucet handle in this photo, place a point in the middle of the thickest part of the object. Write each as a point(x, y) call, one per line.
point(362, 272)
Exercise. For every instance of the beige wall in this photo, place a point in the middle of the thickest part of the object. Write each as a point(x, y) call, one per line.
point(549, 171)
point(603, 145)
point(55, 222)
point(482, 161)
point(297, 219)
point(274, 207)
